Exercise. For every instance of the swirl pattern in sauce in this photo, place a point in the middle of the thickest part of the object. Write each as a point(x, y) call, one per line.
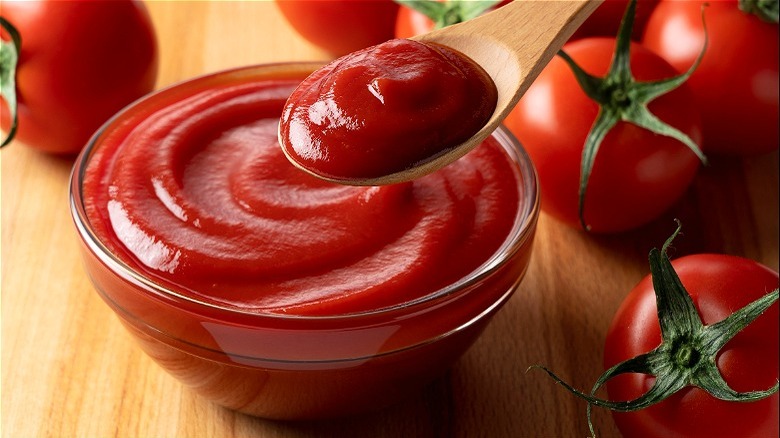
point(199, 197)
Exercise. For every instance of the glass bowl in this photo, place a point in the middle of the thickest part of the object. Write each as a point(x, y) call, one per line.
point(292, 366)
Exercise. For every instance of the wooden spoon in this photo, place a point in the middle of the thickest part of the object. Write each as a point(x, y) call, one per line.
point(513, 44)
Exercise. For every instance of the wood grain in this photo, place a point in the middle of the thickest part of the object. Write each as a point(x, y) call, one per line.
point(70, 370)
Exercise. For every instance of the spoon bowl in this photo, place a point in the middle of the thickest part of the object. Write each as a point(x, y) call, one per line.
point(512, 44)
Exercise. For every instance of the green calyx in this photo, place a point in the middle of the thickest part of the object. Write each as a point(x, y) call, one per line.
point(446, 13)
point(688, 350)
point(9, 56)
point(621, 98)
point(766, 10)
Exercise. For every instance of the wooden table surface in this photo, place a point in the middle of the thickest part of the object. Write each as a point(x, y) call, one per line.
point(70, 370)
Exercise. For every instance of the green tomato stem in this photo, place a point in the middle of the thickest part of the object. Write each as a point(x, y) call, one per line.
point(449, 12)
point(688, 350)
point(766, 10)
point(621, 98)
point(9, 57)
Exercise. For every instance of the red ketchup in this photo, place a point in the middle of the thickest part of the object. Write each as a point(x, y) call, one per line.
point(384, 109)
point(272, 291)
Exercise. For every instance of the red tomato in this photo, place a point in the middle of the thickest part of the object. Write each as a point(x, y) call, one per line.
point(410, 22)
point(718, 285)
point(637, 175)
point(605, 20)
point(341, 26)
point(80, 63)
point(736, 85)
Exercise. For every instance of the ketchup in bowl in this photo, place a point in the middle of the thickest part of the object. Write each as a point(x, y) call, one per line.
point(275, 293)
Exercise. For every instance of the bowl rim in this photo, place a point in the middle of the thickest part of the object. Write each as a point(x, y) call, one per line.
point(522, 230)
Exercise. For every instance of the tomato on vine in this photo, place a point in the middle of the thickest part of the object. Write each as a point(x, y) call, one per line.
point(707, 365)
point(612, 152)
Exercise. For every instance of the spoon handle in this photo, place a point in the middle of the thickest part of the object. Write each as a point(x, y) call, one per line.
point(514, 43)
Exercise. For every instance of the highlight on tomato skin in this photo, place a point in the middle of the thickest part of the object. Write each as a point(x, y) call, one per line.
point(736, 85)
point(80, 62)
